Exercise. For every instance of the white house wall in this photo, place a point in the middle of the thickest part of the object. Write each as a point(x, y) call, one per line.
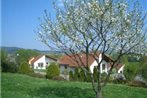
point(43, 60)
point(96, 64)
point(62, 69)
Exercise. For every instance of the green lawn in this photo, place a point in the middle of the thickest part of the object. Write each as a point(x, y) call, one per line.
point(22, 86)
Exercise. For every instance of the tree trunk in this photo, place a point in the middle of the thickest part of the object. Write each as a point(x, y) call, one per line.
point(99, 94)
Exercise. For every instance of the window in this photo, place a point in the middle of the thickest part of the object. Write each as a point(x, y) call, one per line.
point(40, 64)
point(65, 66)
point(103, 66)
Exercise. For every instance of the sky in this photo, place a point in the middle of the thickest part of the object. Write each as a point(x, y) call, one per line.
point(19, 19)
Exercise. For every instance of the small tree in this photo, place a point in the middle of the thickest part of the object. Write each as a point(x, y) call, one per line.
point(89, 26)
point(24, 68)
point(6, 65)
point(52, 71)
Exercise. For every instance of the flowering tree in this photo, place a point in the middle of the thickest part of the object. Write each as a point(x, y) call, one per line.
point(85, 26)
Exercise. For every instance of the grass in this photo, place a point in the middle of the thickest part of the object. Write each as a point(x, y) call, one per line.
point(22, 86)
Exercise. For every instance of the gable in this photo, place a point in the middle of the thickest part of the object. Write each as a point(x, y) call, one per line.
point(42, 58)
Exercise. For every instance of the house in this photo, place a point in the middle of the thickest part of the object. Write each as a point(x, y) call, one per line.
point(70, 62)
point(41, 61)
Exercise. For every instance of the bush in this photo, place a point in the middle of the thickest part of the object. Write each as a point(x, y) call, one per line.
point(143, 71)
point(8, 67)
point(137, 84)
point(58, 78)
point(71, 75)
point(76, 74)
point(88, 77)
point(95, 74)
point(24, 68)
point(52, 71)
point(130, 72)
point(119, 78)
point(103, 76)
point(82, 76)
point(37, 75)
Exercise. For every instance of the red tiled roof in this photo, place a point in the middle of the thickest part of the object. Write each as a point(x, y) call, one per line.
point(73, 60)
point(76, 60)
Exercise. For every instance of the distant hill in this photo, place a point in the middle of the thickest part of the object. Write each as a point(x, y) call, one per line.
point(12, 50)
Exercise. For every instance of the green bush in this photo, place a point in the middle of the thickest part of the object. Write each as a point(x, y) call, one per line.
point(130, 72)
point(103, 76)
point(58, 78)
point(8, 67)
point(71, 76)
point(95, 74)
point(24, 68)
point(76, 74)
point(52, 71)
point(88, 77)
point(82, 75)
point(37, 75)
point(137, 84)
point(143, 71)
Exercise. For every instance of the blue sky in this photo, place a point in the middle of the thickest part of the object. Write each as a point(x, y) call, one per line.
point(19, 19)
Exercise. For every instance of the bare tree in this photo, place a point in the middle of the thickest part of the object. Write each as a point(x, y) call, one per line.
point(85, 26)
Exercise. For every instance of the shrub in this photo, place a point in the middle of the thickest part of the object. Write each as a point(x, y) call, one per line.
point(24, 68)
point(103, 76)
point(119, 78)
point(71, 75)
point(82, 75)
point(143, 70)
point(95, 74)
point(37, 75)
point(130, 71)
point(58, 78)
point(76, 74)
point(52, 71)
point(137, 84)
point(88, 77)
point(8, 67)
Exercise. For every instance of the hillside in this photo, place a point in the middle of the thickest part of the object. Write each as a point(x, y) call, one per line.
point(22, 86)
point(12, 50)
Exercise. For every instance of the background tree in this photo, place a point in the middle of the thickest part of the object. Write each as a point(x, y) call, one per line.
point(143, 67)
point(6, 65)
point(24, 55)
point(52, 71)
point(89, 26)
